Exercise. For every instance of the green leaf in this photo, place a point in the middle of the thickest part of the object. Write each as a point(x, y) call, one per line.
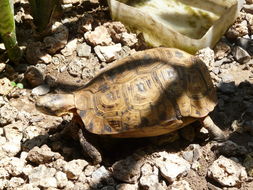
point(13, 83)
point(20, 85)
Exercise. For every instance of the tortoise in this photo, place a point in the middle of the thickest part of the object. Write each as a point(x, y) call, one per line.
point(150, 93)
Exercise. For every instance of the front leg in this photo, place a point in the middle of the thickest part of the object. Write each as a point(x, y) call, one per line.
point(217, 133)
point(89, 149)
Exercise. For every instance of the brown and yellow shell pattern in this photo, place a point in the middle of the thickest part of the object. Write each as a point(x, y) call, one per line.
point(150, 93)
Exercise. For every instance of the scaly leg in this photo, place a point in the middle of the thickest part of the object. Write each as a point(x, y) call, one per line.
point(217, 133)
point(89, 149)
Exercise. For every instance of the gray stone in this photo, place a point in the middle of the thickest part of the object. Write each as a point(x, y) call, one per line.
point(74, 168)
point(127, 170)
point(41, 90)
point(107, 53)
point(171, 166)
point(83, 50)
point(188, 155)
point(100, 174)
point(227, 172)
point(241, 55)
point(42, 155)
point(227, 88)
point(58, 39)
point(99, 36)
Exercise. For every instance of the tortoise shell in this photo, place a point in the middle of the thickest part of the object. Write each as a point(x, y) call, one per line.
point(149, 93)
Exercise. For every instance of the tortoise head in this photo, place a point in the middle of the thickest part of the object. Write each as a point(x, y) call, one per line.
point(56, 104)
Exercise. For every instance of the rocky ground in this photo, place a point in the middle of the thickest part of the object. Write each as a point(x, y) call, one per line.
point(37, 153)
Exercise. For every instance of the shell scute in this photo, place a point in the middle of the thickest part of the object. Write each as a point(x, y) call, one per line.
point(147, 94)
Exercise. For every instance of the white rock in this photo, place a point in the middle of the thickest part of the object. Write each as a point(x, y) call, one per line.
point(207, 56)
point(69, 48)
point(48, 182)
point(59, 164)
point(171, 165)
point(3, 173)
point(181, 185)
point(41, 174)
point(5, 86)
point(149, 177)
point(74, 168)
point(2, 67)
point(3, 183)
point(11, 148)
point(83, 50)
point(238, 29)
point(15, 182)
point(227, 172)
point(8, 114)
point(27, 187)
point(61, 179)
point(13, 165)
point(99, 36)
point(13, 132)
point(107, 53)
point(128, 39)
point(27, 169)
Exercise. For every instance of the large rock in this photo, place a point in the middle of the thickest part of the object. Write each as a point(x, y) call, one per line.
point(227, 172)
point(171, 166)
point(42, 155)
point(150, 178)
point(74, 168)
point(13, 165)
point(43, 176)
point(99, 36)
